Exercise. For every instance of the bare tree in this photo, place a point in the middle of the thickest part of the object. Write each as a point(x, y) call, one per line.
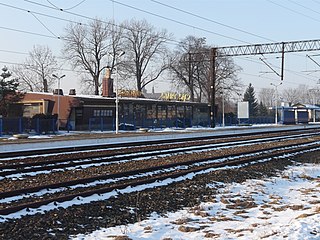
point(297, 95)
point(91, 47)
point(146, 52)
point(266, 96)
point(190, 65)
point(290, 95)
point(35, 74)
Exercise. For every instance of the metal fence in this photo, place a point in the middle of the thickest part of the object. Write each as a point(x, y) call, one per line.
point(233, 120)
point(44, 126)
point(26, 125)
point(105, 124)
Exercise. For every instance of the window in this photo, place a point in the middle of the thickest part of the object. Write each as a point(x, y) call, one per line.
point(96, 113)
point(102, 113)
point(79, 112)
point(109, 113)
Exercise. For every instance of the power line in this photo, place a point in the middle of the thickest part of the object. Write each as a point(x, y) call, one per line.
point(44, 25)
point(38, 13)
point(294, 11)
point(59, 9)
point(176, 21)
point(69, 7)
point(15, 52)
point(153, 14)
point(210, 20)
point(299, 74)
point(28, 32)
point(90, 18)
point(310, 9)
point(62, 69)
point(25, 53)
point(33, 13)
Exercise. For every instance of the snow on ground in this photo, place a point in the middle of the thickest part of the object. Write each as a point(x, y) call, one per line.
point(284, 207)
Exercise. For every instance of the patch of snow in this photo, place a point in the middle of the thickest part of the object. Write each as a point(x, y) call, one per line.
point(283, 207)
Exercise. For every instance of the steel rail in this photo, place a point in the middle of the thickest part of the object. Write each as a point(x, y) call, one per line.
point(140, 143)
point(20, 168)
point(277, 151)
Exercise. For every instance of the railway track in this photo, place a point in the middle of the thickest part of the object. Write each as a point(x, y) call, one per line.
point(95, 147)
point(25, 162)
point(123, 169)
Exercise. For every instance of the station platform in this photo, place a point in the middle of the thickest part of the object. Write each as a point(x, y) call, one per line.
point(77, 139)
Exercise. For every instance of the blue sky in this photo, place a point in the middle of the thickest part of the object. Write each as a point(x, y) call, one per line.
point(221, 22)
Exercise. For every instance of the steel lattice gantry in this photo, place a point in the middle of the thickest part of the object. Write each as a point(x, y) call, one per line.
point(269, 48)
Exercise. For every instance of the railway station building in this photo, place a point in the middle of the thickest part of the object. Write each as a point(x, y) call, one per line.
point(83, 112)
point(135, 110)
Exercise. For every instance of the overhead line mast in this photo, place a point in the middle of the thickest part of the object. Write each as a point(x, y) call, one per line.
point(254, 49)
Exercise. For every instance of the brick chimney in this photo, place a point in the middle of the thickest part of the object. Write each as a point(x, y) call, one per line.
point(107, 84)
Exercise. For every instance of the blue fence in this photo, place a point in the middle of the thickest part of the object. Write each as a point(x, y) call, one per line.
point(232, 121)
point(43, 126)
point(103, 124)
point(26, 125)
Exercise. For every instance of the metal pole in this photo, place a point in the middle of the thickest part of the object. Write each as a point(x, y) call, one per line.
point(223, 123)
point(282, 61)
point(117, 103)
point(212, 86)
point(276, 121)
point(276, 102)
point(314, 110)
point(58, 126)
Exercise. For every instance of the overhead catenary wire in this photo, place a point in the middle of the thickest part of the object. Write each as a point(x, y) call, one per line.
point(61, 69)
point(15, 52)
point(294, 11)
point(89, 18)
point(44, 25)
point(299, 74)
point(303, 6)
point(141, 10)
point(40, 14)
point(28, 32)
point(212, 21)
point(78, 4)
point(179, 22)
point(63, 10)
point(59, 18)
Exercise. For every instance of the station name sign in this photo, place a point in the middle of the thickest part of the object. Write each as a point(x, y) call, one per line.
point(129, 93)
point(169, 96)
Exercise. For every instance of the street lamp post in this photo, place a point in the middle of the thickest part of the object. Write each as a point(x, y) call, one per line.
point(314, 92)
point(222, 96)
point(117, 96)
point(276, 101)
point(58, 110)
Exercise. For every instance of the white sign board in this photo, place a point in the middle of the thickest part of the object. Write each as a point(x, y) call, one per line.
point(243, 109)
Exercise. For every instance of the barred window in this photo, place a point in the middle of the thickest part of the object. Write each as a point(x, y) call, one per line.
point(96, 113)
point(102, 113)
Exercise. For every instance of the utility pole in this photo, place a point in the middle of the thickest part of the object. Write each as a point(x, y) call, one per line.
point(213, 53)
point(282, 61)
point(190, 78)
point(276, 101)
point(253, 49)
